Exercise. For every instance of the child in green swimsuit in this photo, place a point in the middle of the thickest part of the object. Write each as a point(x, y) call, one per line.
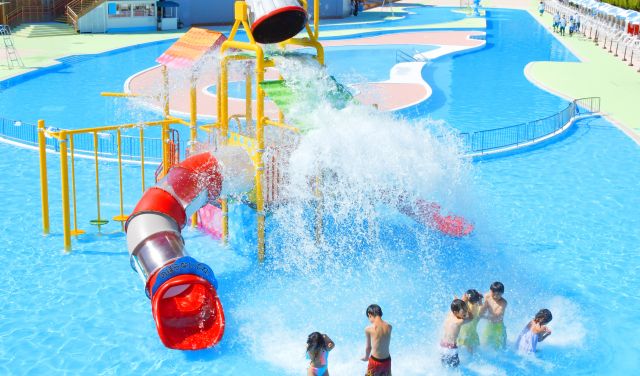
point(468, 336)
point(495, 333)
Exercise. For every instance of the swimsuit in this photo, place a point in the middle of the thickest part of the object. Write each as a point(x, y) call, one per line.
point(495, 335)
point(320, 371)
point(449, 355)
point(469, 332)
point(527, 341)
point(379, 367)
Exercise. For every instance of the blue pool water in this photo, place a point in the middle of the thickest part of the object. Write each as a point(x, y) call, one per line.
point(557, 225)
point(461, 83)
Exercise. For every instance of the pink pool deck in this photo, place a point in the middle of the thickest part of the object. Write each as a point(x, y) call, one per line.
point(405, 86)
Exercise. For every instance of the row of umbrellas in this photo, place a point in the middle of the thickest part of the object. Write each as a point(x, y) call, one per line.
point(628, 15)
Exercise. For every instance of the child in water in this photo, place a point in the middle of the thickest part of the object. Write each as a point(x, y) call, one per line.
point(495, 333)
point(448, 344)
point(468, 336)
point(318, 347)
point(535, 331)
point(378, 337)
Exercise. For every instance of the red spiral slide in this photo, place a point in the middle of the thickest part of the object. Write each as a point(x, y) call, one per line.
point(183, 292)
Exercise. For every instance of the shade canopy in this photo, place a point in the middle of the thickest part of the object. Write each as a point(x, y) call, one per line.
point(168, 4)
point(191, 47)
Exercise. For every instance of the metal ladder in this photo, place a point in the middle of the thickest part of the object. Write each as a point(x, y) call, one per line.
point(13, 59)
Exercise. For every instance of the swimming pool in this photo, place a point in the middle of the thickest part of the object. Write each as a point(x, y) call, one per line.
point(557, 225)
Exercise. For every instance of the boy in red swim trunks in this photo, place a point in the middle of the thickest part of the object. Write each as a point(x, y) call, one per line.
point(378, 336)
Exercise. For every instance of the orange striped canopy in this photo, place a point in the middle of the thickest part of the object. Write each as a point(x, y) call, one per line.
point(187, 50)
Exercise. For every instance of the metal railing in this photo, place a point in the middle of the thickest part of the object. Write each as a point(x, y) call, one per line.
point(78, 8)
point(525, 134)
point(130, 150)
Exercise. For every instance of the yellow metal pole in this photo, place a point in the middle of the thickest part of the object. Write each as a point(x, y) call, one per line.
point(75, 231)
point(165, 149)
point(98, 221)
point(44, 179)
point(142, 156)
point(193, 125)
point(225, 220)
point(260, 151)
point(165, 89)
point(121, 218)
point(64, 175)
point(193, 118)
point(223, 118)
point(316, 18)
point(218, 100)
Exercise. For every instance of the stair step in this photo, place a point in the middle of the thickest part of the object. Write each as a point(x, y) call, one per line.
point(44, 29)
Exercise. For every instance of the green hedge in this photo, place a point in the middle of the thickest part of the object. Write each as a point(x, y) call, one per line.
point(626, 4)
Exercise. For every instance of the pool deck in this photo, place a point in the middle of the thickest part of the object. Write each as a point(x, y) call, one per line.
point(43, 51)
point(599, 74)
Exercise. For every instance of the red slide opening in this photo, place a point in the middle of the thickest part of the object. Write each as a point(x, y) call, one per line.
point(188, 313)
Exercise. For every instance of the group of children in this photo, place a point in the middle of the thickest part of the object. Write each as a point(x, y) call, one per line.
point(560, 23)
point(460, 329)
point(460, 326)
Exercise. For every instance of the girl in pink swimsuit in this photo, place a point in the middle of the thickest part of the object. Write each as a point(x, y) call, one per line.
point(318, 347)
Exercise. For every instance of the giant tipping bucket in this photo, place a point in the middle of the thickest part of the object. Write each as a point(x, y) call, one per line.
point(274, 21)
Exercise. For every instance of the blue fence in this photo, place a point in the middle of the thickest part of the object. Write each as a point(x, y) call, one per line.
point(26, 133)
point(477, 143)
point(526, 133)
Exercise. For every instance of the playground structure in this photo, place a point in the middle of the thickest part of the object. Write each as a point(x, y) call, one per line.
point(185, 306)
point(183, 292)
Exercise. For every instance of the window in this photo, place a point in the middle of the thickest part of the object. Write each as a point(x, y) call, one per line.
point(144, 10)
point(119, 10)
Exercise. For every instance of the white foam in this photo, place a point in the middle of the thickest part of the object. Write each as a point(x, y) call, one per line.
point(568, 324)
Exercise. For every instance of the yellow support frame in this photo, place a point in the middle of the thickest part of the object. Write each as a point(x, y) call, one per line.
point(254, 147)
point(67, 151)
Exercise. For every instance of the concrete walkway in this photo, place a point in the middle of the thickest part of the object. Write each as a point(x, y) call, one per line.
point(42, 52)
point(599, 74)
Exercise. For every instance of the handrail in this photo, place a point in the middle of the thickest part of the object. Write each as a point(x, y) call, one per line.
point(12, 17)
point(27, 134)
point(78, 8)
point(59, 7)
point(520, 135)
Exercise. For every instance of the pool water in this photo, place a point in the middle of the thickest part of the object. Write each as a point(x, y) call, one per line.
point(556, 224)
point(460, 83)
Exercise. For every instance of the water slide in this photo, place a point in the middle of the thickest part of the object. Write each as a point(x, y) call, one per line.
point(183, 291)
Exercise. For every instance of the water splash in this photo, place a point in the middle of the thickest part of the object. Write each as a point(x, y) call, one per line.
point(365, 164)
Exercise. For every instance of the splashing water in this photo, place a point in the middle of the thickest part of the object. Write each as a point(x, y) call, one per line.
point(364, 164)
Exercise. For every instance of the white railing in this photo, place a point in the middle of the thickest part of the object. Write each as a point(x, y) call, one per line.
point(610, 32)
